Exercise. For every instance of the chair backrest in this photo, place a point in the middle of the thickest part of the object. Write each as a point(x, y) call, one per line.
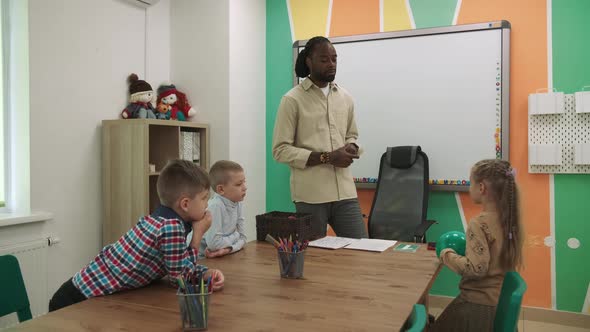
point(417, 321)
point(401, 198)
point(12, 287)
point(508, 309)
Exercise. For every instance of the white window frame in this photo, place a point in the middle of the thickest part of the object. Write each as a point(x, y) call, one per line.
point(5, 114)
point(6, 131)
point(15, 50)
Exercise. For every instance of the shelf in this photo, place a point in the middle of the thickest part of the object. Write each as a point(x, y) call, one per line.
point(173, 123)
point(134, 153)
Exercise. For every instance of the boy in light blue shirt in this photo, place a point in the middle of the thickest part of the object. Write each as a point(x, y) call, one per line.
point(226, 234)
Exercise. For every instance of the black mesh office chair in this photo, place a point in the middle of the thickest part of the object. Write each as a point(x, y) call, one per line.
point(401, 198)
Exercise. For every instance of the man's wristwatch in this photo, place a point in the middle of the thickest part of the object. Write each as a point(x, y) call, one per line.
point(325, 157)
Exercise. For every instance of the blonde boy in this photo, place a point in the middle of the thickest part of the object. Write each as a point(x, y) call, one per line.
point(155, 247)
point(226, 234)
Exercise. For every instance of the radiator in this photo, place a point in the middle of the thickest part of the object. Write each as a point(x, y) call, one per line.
point(32, 258)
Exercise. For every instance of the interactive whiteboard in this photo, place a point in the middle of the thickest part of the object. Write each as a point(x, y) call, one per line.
point(445, 89)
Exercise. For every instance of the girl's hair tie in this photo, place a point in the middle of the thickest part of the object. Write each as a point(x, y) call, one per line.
point(511, 172)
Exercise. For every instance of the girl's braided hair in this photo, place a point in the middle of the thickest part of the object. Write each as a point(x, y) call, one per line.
point(498, 176)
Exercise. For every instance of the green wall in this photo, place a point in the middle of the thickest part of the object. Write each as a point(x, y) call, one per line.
point(433, 13)
point(442, 205)
point(279, 79)
point(571, 71)
point(571, 49)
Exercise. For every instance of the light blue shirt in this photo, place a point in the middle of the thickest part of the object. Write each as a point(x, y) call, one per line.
point(227, 226)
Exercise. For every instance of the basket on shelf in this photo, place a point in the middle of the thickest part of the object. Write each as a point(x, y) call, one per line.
point(298, 226)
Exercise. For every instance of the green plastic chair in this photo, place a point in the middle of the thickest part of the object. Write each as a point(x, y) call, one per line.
point(417, 321)
point(12, 287)
point(508, 308)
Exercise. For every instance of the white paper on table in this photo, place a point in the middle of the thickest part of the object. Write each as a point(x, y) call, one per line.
point(331, 242)
point(371, 244)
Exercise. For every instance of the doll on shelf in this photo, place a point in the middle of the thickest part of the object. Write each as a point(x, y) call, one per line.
point(140, 100)
point(180, 109)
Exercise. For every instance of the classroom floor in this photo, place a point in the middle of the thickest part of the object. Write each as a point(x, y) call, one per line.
point(525, 325)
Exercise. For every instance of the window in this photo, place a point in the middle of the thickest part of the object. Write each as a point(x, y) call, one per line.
point(14, 104)
point(3, 157)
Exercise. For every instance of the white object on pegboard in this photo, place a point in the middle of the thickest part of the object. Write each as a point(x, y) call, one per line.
point(582, 154)
point(567, 130)
point(583, 101)
point(545, 154)
point(546, 103)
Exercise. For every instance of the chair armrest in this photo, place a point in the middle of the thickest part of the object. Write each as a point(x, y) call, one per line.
point(420, 231)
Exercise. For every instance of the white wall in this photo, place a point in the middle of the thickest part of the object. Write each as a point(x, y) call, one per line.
point(81, 52)
point(199, 66)
point(157, 54)
point(247, 102)
point(218, 57)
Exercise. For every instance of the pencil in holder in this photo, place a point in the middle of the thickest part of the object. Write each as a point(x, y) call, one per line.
point(194, 310)
point(291, 264)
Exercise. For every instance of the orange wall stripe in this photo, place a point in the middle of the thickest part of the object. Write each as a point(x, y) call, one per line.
point(528, 70)
point(395, 15)
point(353, 17)
point(309, 18)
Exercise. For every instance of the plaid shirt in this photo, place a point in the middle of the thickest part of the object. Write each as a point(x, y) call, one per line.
point(152, 249)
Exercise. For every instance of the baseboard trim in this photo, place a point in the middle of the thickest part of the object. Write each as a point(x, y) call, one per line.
point(568, 318)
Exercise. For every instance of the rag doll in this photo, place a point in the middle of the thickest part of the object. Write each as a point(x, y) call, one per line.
point(140, 100)
point(180, 109)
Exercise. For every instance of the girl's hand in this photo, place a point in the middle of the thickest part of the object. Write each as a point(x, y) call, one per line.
point(444, 252)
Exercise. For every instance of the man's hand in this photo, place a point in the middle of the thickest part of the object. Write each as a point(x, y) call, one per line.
point(217, 253)
point(352, 148)
point(201, 226)
point(343, 157)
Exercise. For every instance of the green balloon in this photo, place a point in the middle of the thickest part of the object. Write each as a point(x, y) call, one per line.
point(454, 240)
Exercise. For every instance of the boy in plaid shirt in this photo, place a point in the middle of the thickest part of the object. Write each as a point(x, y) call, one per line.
point(155, 247)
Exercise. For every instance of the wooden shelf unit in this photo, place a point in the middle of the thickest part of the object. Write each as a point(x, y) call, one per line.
point(128, 148)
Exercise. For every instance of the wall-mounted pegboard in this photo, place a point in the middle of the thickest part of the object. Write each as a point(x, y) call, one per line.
point(566, 129)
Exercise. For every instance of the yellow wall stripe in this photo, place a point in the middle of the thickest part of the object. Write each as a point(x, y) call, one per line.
point(309, 18)
point(395, 15)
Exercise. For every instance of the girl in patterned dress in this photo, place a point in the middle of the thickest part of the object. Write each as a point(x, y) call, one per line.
point(494, 246)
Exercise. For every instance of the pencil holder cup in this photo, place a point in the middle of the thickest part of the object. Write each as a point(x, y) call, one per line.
point(194, 311)
point(291, 264)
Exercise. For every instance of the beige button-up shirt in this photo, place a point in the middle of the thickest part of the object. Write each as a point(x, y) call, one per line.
point(309, 121)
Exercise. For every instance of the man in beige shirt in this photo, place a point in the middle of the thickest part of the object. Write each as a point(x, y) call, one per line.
point(315, 134)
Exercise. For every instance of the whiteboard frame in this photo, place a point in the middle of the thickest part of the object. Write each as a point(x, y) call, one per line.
point(505, 86)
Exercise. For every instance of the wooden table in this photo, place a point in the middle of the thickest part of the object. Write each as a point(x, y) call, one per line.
point(343, 290)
